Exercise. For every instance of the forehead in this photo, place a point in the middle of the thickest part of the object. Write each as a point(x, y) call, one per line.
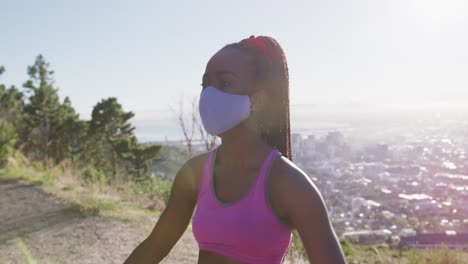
point(231, 60)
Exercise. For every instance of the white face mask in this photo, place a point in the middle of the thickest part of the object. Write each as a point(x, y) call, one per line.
point(220, 111)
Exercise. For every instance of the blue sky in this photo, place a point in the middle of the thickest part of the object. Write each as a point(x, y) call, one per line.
point(150, 53)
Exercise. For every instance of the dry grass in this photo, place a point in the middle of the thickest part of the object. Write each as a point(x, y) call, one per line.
point(124, 201)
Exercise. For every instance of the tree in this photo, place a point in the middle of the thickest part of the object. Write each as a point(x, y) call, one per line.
point(140, 157)
point(11, 108)
point(52, 130)
point(11, 104)
point(110, 125)
point(42, 110)
point(71, 133)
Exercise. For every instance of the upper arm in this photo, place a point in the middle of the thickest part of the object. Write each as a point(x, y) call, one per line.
point(305, 209)
point(178, 212)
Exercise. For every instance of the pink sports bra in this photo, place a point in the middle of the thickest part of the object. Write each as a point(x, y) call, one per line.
point(247, 229)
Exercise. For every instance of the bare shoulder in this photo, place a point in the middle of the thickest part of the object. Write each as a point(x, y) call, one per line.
point(290, 177)
point(303, 209)
point(189, 175)
point(291, 190)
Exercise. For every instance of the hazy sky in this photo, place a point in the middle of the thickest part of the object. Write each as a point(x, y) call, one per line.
point(149, 53)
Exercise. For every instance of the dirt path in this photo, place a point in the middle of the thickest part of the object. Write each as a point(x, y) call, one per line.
point(37, 226)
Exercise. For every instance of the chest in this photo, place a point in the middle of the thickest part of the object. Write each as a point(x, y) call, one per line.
point(230, 185)
point(246, 223)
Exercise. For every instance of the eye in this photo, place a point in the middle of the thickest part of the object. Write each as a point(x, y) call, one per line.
point(225, 83)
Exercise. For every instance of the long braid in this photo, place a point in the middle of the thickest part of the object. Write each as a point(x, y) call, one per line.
point(274, 120)
point(281, 133)
point(271, 64)
point(283, 93)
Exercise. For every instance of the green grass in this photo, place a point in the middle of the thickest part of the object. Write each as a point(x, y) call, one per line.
point(385, 255)
point(440, 255)
point(24, 249)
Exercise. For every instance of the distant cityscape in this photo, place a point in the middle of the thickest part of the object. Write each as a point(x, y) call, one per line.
point(416, 184)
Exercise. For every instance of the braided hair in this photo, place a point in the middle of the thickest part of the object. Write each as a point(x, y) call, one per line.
point(271, 67)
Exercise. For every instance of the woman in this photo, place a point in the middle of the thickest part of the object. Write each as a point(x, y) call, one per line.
point(248, 193)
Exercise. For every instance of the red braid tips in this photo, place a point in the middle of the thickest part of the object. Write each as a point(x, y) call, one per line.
point(258, 42)
point(266, 45)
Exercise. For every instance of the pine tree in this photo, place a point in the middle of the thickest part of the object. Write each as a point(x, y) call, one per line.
point(139, 156)
point(8, 106)
point(52, 129)
point(41, 110)
point(109, 125)
point(70, 133)
point(11, 104)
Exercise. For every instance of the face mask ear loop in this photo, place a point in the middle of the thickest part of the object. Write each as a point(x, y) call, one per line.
point(256, 92)
point(255, 114)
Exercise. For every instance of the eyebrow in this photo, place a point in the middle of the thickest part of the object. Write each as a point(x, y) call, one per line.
point(221, 73)
point(227, 72)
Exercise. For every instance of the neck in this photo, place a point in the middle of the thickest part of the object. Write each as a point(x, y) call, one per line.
point(241, 148)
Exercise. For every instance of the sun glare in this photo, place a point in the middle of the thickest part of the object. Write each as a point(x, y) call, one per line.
point(438, 11)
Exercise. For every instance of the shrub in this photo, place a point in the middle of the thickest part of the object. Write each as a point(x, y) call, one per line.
point(7, 140)
point(156, 187)
point(346, 248)
point(90, 174)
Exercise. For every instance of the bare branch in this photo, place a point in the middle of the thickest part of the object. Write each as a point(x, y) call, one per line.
point(188, 135)
point(192, 125)
point(208, 140)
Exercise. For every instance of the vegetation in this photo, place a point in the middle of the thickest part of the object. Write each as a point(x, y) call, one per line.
point(97, 165)
point(7, 140)
point(48, 130)
point(25, 251)
point(386, 254)
point(127, 201)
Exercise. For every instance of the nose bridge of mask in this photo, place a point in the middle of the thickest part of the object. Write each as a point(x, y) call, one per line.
point(223, 96)
point(239, 96)
point(250, 94)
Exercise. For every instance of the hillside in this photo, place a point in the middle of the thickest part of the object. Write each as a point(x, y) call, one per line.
point(38, 227)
